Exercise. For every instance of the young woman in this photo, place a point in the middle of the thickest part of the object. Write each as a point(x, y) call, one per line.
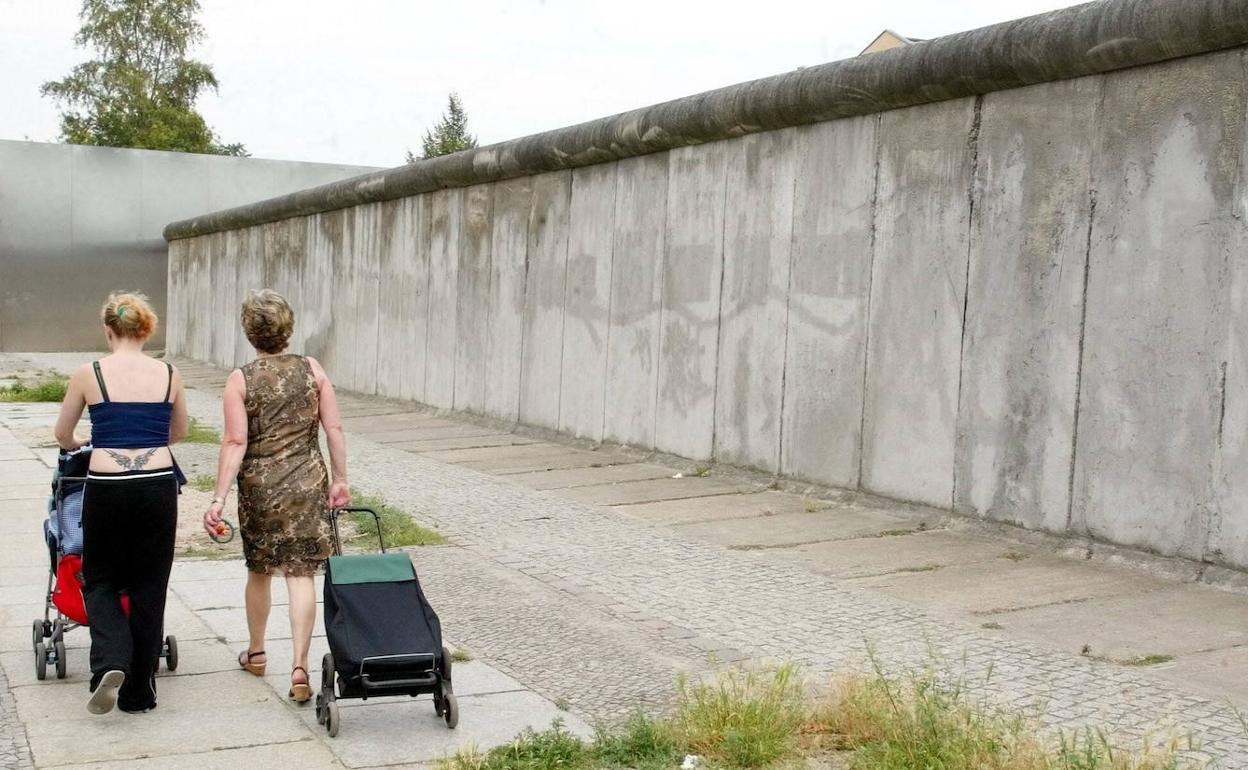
point(274, 407)
point(130, 506)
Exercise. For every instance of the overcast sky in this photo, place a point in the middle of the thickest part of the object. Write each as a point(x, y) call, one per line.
point(358, 81)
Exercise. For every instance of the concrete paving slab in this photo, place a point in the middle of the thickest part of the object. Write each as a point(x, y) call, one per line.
point(883, 555)
point(586, 477)
point(231, 624)
point(1217, 674)
point(464, 442)
point(395, 421)
point(23, 471)
point(307, 753)
point(470, 678)
point(790, 529)
point(392, 731)
point(181, 724)
point(22, 554)
point(32, 487)
point(1000, 584)
point(14, 450)
point(195, 656)
point(558, 459)
point(206, 569)
point(631, 492)
point(1180, 620)
point(398, 436)
point(227, 592)
point(486, 454)
point(716, 508)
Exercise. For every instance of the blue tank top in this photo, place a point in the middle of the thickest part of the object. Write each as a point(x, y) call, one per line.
point(130, 424)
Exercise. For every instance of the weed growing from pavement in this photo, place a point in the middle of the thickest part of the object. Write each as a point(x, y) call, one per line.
point(203, 482)
point(869, 722)
point(46, 389)
point(461, 655)
point(398, 528)
point(1148, 660)
point(813, 504)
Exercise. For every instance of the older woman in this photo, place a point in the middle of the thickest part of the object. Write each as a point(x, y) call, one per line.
point(130, 507)
point(273, 406)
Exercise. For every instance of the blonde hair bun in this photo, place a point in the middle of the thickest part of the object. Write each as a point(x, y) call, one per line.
point(129, 315)
point(268, 321)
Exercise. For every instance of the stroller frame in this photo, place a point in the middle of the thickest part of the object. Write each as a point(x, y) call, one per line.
point(433, 677)
point(48, 634)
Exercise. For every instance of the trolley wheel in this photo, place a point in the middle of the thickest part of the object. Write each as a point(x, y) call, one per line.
point(446, 663)
point(320, 707)
point(171, 653)
point(41, 661)
point(58, 647)
point(332, 719)
point(327, 677)
point(36, 634)
point(450, 710)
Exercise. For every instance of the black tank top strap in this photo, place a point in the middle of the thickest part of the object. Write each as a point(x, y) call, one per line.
point(169, 387)
point(99, 378)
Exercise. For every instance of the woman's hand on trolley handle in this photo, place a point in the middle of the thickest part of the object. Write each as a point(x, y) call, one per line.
point(339, 495)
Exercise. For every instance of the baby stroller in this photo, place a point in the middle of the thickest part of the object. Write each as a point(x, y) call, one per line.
point(62, 532)
point(384, 638)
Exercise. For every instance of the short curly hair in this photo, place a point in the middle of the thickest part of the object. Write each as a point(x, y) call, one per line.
point(268, 321)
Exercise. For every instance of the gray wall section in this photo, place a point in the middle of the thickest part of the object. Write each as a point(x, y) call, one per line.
point(1026, 306)
point(77, 222)
point(1029, 250)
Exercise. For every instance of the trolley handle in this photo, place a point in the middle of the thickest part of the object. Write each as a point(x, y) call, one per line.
point(334, 513)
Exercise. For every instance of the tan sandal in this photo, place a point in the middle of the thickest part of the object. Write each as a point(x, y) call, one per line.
point(244, 662)
point(300, 693)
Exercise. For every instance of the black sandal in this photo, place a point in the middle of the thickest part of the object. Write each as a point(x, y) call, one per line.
point(301, 693)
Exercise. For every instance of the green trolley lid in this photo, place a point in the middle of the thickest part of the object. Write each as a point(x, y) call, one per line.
point(370, 568)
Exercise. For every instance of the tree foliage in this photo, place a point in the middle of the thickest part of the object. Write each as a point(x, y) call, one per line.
point(449, 135)
point(141, 90)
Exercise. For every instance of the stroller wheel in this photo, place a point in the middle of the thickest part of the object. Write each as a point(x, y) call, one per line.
point(332, 718)
point(171, 653)
point(58, 647)
point(41, 661)
point(451, 710)
point(36, 634)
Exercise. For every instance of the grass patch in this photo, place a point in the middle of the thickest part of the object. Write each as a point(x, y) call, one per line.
point(398, 528)
point(871, 722)
point(203, 482)
point(198, 433)
point(922, 568)
point(701, 471)
point(461, 655)
point(1014, 555)
point(212, 554)
point(50, 389)
point(813, 505)
point(1148, 660)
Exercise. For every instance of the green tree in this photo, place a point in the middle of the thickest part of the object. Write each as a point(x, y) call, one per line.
point(141, 90)
point(449, 135)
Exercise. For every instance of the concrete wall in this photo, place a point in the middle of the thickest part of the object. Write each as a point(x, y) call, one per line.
point(1025, 305)
point(77, 222)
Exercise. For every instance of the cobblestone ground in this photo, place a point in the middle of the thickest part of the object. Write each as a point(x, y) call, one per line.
point(14, 751)
point(598, 610)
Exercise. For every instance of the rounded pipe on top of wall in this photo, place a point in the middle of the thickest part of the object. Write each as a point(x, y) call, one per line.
point(1073, 42)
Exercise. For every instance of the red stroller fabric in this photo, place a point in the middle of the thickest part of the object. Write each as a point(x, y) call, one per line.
point(67, 595)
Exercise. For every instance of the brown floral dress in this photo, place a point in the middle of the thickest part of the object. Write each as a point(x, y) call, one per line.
point(283, 486)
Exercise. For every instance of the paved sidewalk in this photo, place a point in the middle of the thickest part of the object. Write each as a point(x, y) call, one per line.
point(210, 714)
point(594, 577)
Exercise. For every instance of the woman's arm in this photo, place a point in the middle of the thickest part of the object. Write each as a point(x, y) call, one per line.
point(331, 422)
point(71, 411)
point(180, 425)
point(233, 447)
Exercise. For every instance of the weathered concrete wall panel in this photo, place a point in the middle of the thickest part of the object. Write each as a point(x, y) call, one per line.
point(917, 291)
point(692, 274)
point(509, 258)
point(473, 295)
point(445, 215)
point(411, 297)
point(827, 319)
point(1029, 243)
point(587, 300)
point(1158, 286)
point(636, 300)
point(758, 236)
point(542, 365)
